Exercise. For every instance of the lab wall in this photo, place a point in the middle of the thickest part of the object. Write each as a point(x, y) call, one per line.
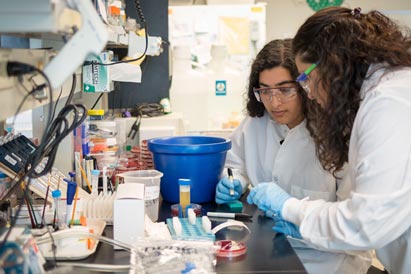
point(284, 17)
point(192, 91)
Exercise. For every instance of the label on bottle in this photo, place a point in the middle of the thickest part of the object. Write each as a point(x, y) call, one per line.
point(151, 192)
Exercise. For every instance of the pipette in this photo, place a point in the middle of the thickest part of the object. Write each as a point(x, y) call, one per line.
point(230, 177)
point(71, 191)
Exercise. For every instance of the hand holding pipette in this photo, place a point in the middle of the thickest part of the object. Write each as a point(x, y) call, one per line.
point(228, 189)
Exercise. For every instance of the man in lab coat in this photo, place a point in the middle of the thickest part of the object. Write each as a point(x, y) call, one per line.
point(273, 144)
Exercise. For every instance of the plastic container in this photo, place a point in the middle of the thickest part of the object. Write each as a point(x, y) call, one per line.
point(184, 194)
point(198, 158)
point(151, 180)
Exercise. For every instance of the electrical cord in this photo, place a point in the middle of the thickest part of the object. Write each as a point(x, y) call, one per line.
point(94, 63)
point(73, 88)
point(70, 117)
point(57, 131)
point(147, 110)
point(98, 99)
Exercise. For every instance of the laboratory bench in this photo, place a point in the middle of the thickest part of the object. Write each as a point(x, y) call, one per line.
point(267, 252)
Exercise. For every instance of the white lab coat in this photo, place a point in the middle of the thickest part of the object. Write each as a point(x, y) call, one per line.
point(378, 212)
point(257, 156)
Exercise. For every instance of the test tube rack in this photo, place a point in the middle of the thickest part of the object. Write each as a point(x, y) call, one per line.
point(190, 232)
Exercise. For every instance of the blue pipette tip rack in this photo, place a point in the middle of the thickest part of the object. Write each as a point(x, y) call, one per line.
point(189, 231)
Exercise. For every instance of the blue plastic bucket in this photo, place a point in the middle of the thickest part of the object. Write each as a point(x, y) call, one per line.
point(199, 158)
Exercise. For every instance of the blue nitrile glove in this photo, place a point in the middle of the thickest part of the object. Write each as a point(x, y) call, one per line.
point(268, 196)
point(223, 188)
point(287, 228)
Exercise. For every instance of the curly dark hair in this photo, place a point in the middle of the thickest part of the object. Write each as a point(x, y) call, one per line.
point(274, 54)
point(344, 43)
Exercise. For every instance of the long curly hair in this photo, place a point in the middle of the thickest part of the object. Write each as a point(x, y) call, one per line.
point(345, 43)
point(274, 54)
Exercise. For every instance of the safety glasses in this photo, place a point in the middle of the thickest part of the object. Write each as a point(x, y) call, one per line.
point(303, 79)
point(283, 94)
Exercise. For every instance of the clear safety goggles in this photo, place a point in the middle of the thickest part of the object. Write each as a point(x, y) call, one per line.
point(303, 78)
point(283, 94)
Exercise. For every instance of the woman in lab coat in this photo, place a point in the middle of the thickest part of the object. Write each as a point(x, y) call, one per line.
point(273, 144)
point(357, 66)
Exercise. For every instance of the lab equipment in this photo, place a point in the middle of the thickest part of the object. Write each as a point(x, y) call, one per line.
point(182, 229)
point(200, 158)
point(178, 229)
point(71, 192)
point(99, 206)
point(105, 189)
point(230, 177)
point(45, 17)
point(191, 216)
point(134, 128)
point(206, 224)
point(287, 228)
point(128, 214)
point(58, 222)
point(45, 200)
point(303, 79)
point(283, 94)
point(172, 256)
point(14, 152)
point(94, 182)
point(228, 248)
point(83, 174)
point(268, 196)
point(175, 209)
point(235, 216)
point(184, 186)
point(149, 182)
point(230, 238)
point(234, 206)
point(223, 190)
point(75, 243)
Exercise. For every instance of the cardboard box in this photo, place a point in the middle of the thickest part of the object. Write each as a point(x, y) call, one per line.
point(128, 213)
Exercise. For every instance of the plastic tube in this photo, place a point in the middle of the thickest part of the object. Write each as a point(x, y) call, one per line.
point(185, 185)
point(94, 182)
point(58, 214)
